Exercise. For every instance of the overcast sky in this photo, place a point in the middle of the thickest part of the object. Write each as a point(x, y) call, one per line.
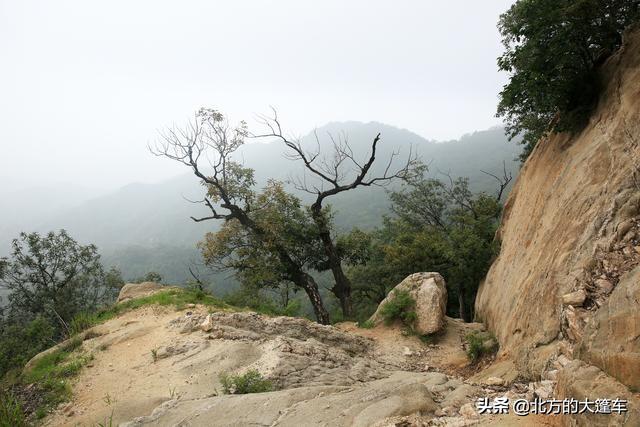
point(84, 85)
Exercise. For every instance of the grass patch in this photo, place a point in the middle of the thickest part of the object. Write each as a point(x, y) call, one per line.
point(11, 413)
point(179, 298)
point(51, 374)
point(401, 308)
point(251, 382)
point(480, 344)
point(367, 324)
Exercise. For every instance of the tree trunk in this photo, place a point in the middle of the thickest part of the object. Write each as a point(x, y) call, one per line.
point(342, 287)
point(311, 288)
point(462, 308)
point(294, 271)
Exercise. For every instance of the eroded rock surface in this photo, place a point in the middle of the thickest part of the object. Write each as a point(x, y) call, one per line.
point(138, 290)
point(570, 232)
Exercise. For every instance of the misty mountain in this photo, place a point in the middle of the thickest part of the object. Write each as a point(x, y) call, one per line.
point(147, 227)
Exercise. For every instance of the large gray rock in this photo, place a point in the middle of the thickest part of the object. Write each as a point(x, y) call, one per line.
point(430, 293)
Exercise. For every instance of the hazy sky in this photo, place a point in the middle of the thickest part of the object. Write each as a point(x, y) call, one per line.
point(84, 85)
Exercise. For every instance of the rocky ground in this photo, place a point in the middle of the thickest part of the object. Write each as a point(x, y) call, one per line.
point(158, 366)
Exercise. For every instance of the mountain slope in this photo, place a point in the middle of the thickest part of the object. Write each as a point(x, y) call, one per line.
point(143, 227)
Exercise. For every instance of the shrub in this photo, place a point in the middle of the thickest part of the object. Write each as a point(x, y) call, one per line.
point(250, 382)
point(480, 344)
point(400, 307)
point(20, 343)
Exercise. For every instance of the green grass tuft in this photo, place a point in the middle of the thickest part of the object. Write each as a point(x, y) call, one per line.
point(11, 414)
point(401, 308)
point(251, 382)
point(477, 345)
point(367, 324)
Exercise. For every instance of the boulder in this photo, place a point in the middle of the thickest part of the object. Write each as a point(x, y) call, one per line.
point(139, 290)
point(430, 294)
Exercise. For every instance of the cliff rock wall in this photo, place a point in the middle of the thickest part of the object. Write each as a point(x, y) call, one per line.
point(566, 280)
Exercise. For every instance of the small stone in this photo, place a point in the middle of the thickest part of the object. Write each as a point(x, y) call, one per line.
point(575, 299)
point(407, 351)
point(544, 390)
point(191, 306)
point(207, 324)
point(604, 286)
point(468, 411)
point(494, 381)
point(623, 228)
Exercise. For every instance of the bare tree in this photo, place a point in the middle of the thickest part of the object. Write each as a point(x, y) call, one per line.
point(503, 181)
point(335, 174)
point(210, 137)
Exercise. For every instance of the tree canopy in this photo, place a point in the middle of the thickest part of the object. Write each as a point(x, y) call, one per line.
point(439, 225)
point(55, 277)
point(552, 51)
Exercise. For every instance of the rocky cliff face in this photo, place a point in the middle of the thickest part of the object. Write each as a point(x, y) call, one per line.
point(567, 277)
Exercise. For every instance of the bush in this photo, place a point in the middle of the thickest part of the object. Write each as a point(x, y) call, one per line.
point(400, 307)
point(480, 344)
point(251, 382)
point(20, 343)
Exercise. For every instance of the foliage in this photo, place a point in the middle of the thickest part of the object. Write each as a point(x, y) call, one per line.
point(251, 382)
point(20, 343)
point(151, 276)
point(552, 51)
point(256, 257)
point(263, 301)
point(367, 324)
point(439, 226)
point(11, 414)
point(179, 298)
point(476, 343)
point(55, 277)
point(52, 371)
point(400, 307)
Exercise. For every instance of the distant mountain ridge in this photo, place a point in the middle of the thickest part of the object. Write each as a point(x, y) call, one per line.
point(143, 227)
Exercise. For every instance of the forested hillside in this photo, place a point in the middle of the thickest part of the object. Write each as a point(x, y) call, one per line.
point(147, 227)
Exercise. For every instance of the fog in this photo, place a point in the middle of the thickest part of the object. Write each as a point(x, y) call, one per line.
point(84, 86)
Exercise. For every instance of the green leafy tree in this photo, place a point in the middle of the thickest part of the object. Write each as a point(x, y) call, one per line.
point(55, 277)
point(457, 226)
point(151, 276)
point(439, 226)
point(553, 49)
point(231, 197)
point(285, 225)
